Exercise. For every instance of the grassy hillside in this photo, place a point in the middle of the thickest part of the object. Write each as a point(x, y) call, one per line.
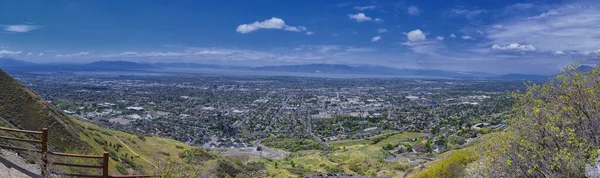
point(359, 157)
point(129, 153)
point(22, 108)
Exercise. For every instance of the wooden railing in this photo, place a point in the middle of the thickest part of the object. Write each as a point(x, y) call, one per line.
point(44, 151)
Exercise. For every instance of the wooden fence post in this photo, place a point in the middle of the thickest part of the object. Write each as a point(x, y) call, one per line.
point(45, 152)
point(105, 165)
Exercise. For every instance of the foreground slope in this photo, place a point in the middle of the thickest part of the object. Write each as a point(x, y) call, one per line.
point(130, 154)
point(22, 108)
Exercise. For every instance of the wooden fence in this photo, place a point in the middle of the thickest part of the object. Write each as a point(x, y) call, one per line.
point(44, 151)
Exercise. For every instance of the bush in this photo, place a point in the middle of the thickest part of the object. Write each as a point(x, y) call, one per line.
point(164, 153)
point(553, 131)
point(121, 169)
point(388, 147)
point(335, 170)
point(453, 166)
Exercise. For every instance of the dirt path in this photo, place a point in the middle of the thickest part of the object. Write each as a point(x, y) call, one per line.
point(134, 152)
point(12, 165)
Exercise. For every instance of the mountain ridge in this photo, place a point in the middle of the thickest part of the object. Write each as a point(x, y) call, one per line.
point(14, 65)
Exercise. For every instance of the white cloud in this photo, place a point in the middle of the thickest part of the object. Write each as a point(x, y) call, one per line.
point(73, 54)
point(382, 30)
point(416, 35)
point(413, 10)
point(294, 29)
point(423, 47)
point(546, 14)
point(309, 33)
point(497, 26)
point(559, 52)
point(326, 48)
point(362, 8)
point(21, 28)
point(210, 52)
point(452, 35)
point(29, 53)
point(7, 52)
point(572, 27)
point(439, 38)
point(514, 47)
point(521, 6)
point(468, 13)
point(360, 17)
point(376, 38)
point(41, 54)
point(378, 20)
point(128, 53)
point(273, 23)
point(467, 37)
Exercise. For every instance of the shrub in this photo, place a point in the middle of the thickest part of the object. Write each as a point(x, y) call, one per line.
point(453, 166)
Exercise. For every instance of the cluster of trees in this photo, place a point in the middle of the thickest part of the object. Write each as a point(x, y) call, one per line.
point(293, 144)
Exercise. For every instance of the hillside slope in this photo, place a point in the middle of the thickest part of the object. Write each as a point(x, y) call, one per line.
point(130, 154)
point(24, 109)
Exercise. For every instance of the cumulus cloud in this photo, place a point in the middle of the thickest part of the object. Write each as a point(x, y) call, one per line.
point(514, 47)
point(466, 37)
point(439, 38)
point(73, 54)
point(41, 54)
point(413, 10)
point(559, 52)
point(376, 38)
point(452, 35)
point(362, 8)
point(29, 53)
point(378, 20)
point(360, 17)
point(273, 23)
point(416, 35)
point(7, 52)
point(21, 28)
point(382, 30)
point(309, 33)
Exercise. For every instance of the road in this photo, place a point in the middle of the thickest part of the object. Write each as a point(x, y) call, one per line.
point(309, 131)
point(265, 149)
point(254, 152)
point(407, 156)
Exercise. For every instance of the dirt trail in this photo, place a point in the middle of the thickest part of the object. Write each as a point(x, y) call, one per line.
point(11, 165)
point(134, 152)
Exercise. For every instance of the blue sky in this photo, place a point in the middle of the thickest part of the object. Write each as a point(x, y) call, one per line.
point(487, 36)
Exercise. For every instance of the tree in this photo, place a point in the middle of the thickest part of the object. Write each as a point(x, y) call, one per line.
point(554, 129)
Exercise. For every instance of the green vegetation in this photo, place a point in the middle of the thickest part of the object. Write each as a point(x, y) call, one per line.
point(553, 131)
point(22, 108)
point(453, 166)
point(291, 144)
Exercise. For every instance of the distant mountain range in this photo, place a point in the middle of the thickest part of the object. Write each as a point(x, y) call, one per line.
point(14, 65)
